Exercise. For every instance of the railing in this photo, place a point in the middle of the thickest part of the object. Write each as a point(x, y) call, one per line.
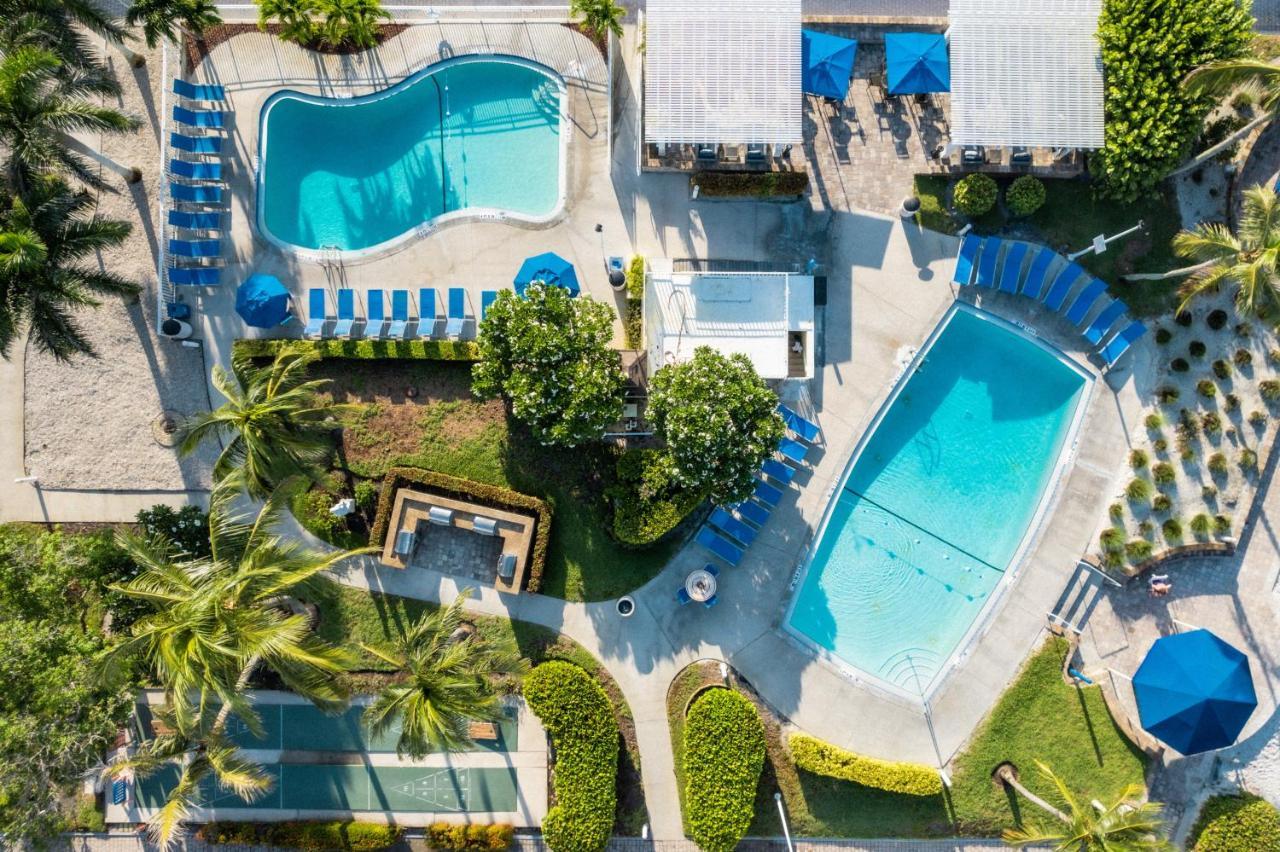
point(165, 291)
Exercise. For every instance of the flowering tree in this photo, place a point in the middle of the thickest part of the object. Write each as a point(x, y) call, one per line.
point(719, 420)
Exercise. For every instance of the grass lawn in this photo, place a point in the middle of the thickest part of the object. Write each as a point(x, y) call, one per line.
point(444, 428)
point(1069, 220)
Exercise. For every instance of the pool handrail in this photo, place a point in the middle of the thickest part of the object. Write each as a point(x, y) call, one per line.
point(1037, 272)
point(375, 322)
point(315, 313)
point(1102, 323)
point(1085, 300)
point(968, 253)
point(346, 313)
point(399, 313)
point(1011, 269)
point(1062, 286)
point(987, 262)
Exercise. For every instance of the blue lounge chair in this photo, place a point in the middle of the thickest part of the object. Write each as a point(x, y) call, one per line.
point(987, 262)
point(732, 527)
point(487, 298)
point(195, 194)
point(375, 314)
point(1086, 300)
point(779, 471)
point(766, 494)
point(793, 450)
point(753, 512)
point(346, 313)
point(196, 144)
point(711, 601)
point(969, 247)
point(196, 92)
point(195, 221)
point(457, 312)
point(198, 117)
point(1011, 271)
point(806, 429)
point(399, 313)
point(682, 596)
point(195, 276)
point(719, 546)
point(1120, 344)
point(195, 248)
point(1103, 322)
point(712, 569)
point(427, 311)
point(315, 313)
point(1062, 286)
point(1038, 272)
point(195, 171)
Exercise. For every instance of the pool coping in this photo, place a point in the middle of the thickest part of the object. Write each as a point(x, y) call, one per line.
point(435, 223)
point(1048, 501)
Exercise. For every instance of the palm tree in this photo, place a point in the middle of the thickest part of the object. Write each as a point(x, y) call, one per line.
point(1128, 825)
point(273, 424)
point(599, 17)
point(295, 17)
point(166, 19)
point(42, 100)
point(1219, 79)
point(44, 237)
point(448, 682)
point(59, 26)
point(352, 22)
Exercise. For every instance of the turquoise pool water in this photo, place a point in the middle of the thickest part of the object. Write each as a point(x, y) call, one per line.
point(938, 501)
point(461, 135)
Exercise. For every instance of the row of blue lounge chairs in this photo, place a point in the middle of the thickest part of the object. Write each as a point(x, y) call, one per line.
point(404, 322)
point(732, 529)
point(998, 265)
point(195, 187)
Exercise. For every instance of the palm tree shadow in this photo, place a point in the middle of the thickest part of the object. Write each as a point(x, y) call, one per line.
point(1088, 721)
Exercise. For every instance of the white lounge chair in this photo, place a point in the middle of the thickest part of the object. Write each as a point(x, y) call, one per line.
point(440, 515)
point(485, 526)
point(405, 539)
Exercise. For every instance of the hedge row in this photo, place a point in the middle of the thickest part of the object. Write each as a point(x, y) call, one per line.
point(724, 749)
point(333, 835)
point(750, 184)
point(417, 350)
point(1236, 823)
point(634, 322)
point(820, 758)
point(457, 837)
point(578, 715)
point(476, 492)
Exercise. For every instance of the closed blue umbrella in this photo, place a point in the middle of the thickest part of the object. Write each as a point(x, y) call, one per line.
point(262, 301)
point(1194, 691)
point(827, 63)
point(549, 268)
point(916, 63)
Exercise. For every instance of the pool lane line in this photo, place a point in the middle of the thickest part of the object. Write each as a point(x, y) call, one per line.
point(914, 525)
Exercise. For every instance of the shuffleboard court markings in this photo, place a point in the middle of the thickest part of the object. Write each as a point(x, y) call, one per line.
point(443, 789)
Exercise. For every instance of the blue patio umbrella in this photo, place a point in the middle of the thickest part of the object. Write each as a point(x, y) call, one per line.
point(826, 63)
point(917, 63)
point(262, 301)
point(1194, 691)
point(549, 268)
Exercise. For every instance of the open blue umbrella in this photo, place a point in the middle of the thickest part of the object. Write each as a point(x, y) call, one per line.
point(827, 63)
point(917, 63)
point(549, 268)
point(1194, 691)
point(262, 301)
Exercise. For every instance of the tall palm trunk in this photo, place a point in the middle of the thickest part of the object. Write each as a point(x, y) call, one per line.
point(130, 174)
point(1006, 776)
point(135, 59)
point(1207, 155)
point(1172, 273)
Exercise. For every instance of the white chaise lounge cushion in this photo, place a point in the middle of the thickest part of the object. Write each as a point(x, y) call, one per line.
point(485, 526)
point(440, 515)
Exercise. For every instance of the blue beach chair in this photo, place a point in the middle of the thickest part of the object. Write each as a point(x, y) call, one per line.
point(195, 221)
point(487, 298)
point(767, 494)
point(1011, 270)
point(793, 450)
point(195, 276)
point(719, 546)
point(987, 262)
point(195, 248)
point(1103, 322)
point(1062, 286)
point(195, 194)
point(457, 312)
point(399, 313)
point(969, 248)
point(427, 311)
point(753, 512)
point(346, 313)
point(1038, 272)
point(775, 469)
point(711, 601)
point(1120, 344)
point(682, 596)
point(1086, 300)
point(195, 171)
point(199, 118)
point(712, 569)
point(196, 144)
point(805, 429)
point(197, 92)
point(375, 314)
point(315, 313)
point(732, 527)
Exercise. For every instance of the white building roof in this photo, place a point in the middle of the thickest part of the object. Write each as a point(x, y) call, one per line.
point(722, 71)
point(1026, 72)
point(752, 313)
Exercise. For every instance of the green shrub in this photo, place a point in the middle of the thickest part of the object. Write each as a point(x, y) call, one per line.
point(362, 349)
point(1137, 490)
point(724, 750)
point(1179, 365)
point(331, 835)
point(1163, 474)
point(820, 758)
point(366, 496)
point(1163, 336)
point(1230, 402)
point(311, 508)
point(1242, 358)
point(1248, 459)
point(1222, 368)
point(1211, 423)
point(1025, 196)
point(1184, 318)
point(1217, 463)
point(1233, 823)
point(634, 322)
point(1217, 319)
point(1161, 503)
point(458, 837)
point(1206, 389)
point(1221, 524)
point(1146, 528)
point(577, 714)
point(1257, 418)
point(1116, 511)
point(750, 184)
point(648, 503)
point(1138, 550)
point(1160, 445)
point(1270, 389)
point(1154, 421)
point(86, 816)
point(1138, 459)
point(1200, 525)
point(1167, 395)
point(1172, 529)
point(1112, 540)
point(1208, 492)
point(976, 194)
point(1197, 349)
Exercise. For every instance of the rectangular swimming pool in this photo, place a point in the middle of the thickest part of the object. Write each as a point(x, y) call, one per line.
point(938, 501)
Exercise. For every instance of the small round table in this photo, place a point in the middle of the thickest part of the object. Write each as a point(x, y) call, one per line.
point(700, 585)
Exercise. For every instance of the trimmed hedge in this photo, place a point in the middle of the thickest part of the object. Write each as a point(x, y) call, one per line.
point(1025, 195)
point(458, 837)
point(724, 749)
point(339, 835)
point(1236, 823)
point(416, 350)
point(647, 504)
point(750, 184)
point(634, 322)
point(821, 758)
point(584, 733)
point(476, 492)
point(975, 194)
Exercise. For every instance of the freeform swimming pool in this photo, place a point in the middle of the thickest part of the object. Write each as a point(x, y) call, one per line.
point(935, 506)
point(468, 136)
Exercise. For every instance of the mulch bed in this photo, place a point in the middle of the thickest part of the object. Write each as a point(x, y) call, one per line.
point(195, 50)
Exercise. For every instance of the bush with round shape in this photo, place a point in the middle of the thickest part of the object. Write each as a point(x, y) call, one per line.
point(1208, 493)
point(1217, 319)
point(1137, 490)
point(1160, 445)
point(1163, 336)
point(1172, 529)
point(1197, 349)
point(1248, 460)
point(1116, 511)
point(1221, 524)
point(1234, 823)
point(1230, 402)
point(1154, 421)
point(1025, 195)
point(1163, 474)
point(1270, 390)
point(1258, 418)
point(1242, 358)
point(1112, 540)
point(1201, 524)
point(1211, 422)
point(1138, 550)
point(1137, 459)
point(821, 758)
point(1179, 365)
point(975, 194)
point(1206, 389)
point(724, 749)
point(1167, 395)
point(1217, 463)
point(1222, 368)
point(1146, 528)
point(1161, 503)
point(1183, 318)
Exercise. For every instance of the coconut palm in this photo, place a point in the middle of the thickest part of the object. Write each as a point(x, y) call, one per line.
point(1220, 79)
point(1127, 825)
point(59, 26)
point(45, 238)
point(598, 17)
point(449, 675)
point(353, 22)
point(166, 19)
point(295, 17)
point(272, 424)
